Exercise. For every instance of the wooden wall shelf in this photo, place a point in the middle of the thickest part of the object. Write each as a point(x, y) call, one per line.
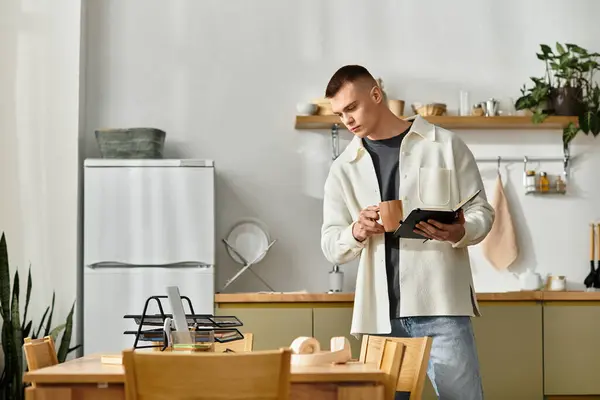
point(451, 122)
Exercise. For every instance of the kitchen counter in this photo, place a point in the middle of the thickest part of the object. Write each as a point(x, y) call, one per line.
point(300, 297)
point(548, 334)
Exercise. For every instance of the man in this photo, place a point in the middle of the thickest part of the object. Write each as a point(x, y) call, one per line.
point(406, 287)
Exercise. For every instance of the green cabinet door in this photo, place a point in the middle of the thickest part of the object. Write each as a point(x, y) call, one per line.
point(571, 348)
point(509, 344)
point(334, 321)
point(272, 327)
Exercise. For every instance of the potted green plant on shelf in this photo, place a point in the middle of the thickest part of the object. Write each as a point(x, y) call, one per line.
point(567, 89)
point(15, 329)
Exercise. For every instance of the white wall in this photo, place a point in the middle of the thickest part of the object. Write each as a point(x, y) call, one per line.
point(39, 157)
point(223, 79)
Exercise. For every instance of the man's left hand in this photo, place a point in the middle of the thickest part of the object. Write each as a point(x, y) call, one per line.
point(443, 232)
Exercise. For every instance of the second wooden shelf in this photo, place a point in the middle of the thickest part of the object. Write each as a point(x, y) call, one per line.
point(451, 122)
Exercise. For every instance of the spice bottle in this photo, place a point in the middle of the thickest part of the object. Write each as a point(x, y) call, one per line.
point(530, 181)
point(544, 182)
point(560, 185)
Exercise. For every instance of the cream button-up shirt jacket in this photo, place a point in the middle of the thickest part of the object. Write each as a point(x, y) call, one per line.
point(436, 170)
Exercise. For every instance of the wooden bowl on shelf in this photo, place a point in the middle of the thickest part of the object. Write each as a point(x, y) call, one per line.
point(431, 109)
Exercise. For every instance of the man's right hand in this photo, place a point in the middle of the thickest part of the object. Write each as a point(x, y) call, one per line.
point(367, 224)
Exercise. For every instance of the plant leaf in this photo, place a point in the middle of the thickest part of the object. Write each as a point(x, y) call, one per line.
point(560, 48)
point(49, 323)
point(579, 50)
point(8, 349)
point(595, 124)
point(569, 133)
point(16, 328)
point(524, 102)
point(73, 348)
point(546, 49)
point(563, 60)
point(66, 338)
point(37, 334)
point(585, 121)
point(27, 297)
point(14, 308)
point(4, 280)
point(56, 331)
point(538, 116)
point(27, 329)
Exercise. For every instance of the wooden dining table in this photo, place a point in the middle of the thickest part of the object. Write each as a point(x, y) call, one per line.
point(91, 379)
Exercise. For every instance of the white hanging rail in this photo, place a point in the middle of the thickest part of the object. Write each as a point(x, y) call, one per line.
point(517, 159)
point(565, 160)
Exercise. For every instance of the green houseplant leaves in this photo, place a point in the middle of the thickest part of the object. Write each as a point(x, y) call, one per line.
point(567, 88)
point(14, 330)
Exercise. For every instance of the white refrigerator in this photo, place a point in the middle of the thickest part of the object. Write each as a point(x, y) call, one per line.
point(147, 225)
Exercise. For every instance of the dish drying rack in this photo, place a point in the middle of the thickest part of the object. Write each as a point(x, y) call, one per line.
point(159, 326)
point(248, 227)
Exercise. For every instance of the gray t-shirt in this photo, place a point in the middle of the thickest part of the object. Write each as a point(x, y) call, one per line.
point(386, 157)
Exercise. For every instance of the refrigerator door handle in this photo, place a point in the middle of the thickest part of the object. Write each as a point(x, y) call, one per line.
point(119, 264)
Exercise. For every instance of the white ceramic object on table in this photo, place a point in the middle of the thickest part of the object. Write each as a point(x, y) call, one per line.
point(307, 351)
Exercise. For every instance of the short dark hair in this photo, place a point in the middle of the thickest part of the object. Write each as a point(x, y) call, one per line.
point(347, 73)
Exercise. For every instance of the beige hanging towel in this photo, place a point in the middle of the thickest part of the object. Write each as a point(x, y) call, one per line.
point(500, 246)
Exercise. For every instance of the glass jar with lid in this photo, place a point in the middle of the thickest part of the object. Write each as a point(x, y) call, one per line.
point(530, 181)
point(561, 185)
point(544, 182)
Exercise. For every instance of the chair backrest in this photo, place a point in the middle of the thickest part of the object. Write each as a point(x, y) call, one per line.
point(413, 370)
point(238, 346)
point(257, 375)
point(30, 393)
point(391, 364)
point(39, 353)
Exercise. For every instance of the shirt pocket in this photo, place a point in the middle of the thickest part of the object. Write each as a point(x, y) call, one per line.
point(434, 186)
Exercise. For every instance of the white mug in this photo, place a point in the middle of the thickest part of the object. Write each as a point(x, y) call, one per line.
point(557, 283)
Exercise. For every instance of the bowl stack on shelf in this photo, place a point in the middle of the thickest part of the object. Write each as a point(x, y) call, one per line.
point(429, 109)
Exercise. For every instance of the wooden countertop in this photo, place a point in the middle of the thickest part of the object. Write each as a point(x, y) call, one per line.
point(284, 297)
point(262, 297)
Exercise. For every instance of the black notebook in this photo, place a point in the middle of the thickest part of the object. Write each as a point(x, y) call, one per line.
point(443, 215)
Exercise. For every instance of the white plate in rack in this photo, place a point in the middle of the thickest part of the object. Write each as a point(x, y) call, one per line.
point(250, 238)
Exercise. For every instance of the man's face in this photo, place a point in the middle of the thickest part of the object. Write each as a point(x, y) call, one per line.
point(356, 105)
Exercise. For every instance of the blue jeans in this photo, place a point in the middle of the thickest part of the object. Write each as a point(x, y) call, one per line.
point(453, 363)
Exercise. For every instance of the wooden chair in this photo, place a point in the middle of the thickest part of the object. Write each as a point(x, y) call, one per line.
point(415, 359)
point(391, 364)
point(201, 376)
point(39, 353)
point(238, 346)
point(30, 393)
